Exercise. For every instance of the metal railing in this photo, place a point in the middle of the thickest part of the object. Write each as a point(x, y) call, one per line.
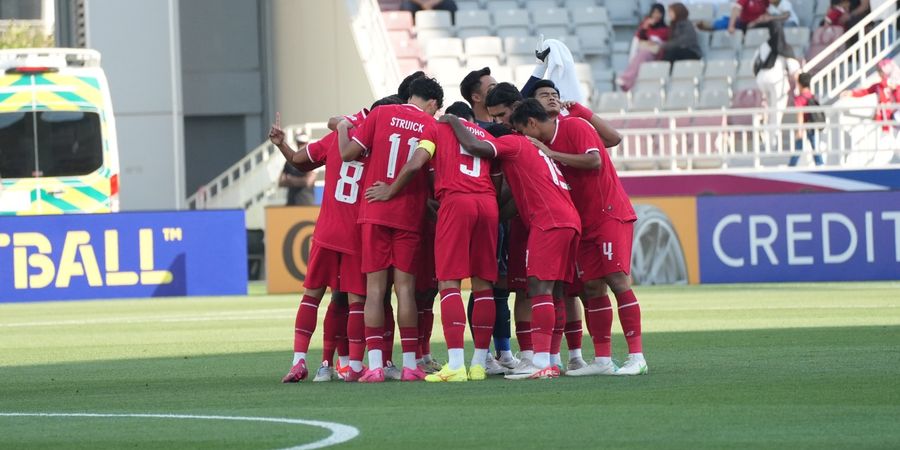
point(741, 138)
point(838, 67)
point(251, 180)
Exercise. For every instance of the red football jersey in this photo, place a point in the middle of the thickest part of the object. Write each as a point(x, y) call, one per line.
point(538, 187)
point(595, 193)
point(390, 135)
point(336, 228)
point(455, 170)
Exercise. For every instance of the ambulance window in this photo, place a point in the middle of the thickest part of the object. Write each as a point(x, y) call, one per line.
point(16, 145)
point(69, 143)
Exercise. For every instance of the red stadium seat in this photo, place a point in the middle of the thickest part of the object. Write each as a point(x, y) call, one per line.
point(409, 65)
point(823, 37)
point(404, 45)
point(398, 21)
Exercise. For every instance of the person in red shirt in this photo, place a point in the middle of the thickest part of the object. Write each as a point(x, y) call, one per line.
point(607, 220)
point(391, 231)
point(334, 259)
point(745, 12)
point(465, 239)
point(838, 14)
point(542, 197)
point(888, 91)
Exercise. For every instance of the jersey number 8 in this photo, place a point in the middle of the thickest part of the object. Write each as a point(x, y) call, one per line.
point(347, 189)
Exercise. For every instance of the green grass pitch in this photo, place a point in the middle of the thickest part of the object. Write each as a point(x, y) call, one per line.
point(734, 366)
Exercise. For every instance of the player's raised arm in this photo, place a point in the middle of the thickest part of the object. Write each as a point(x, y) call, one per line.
point(382, 192)
point(607, 133)
point(276, 136)
point(467, 140)
point(350, 149)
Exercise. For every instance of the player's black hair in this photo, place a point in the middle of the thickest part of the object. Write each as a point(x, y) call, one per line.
point(529, 109)
point(498, 130)
point(543, 84)
point(427, 89)
point(461, 110)
point(389, 100)
point(503, 94)
point(472, 82)
point(804, 79)
point(403, 89)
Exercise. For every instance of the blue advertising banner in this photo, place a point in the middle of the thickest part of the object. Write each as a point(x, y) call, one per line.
point(799, 237)
point(142, 254)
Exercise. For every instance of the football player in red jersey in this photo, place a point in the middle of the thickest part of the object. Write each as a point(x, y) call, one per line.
point(335, 252)
point(391, 231)
point(542, 197)
point(604, 256)
point(465, 240)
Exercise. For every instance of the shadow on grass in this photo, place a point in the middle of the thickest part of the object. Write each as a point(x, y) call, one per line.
point(774, 387)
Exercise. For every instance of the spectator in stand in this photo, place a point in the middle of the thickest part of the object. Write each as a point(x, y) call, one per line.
point(300, 184)
point(414, 6)
point(888, 92)
point(775, 65)
point(683, 41)
point(782, 10)
point(650, 34)
point(806, 98)
point(858, 10)
point(838, 14)
point(744, 14)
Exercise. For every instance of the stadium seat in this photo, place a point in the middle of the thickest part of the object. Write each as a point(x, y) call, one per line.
point(519, 50)
point(444, 48)
point(646, 101)
point(724, 45)
point(703, 37)
point(744, 83)
point(720, 68)
point(654, 70)
point(467, 5)
point(398, 21)
point(551, 22)
point(502, 5)
point(522, 73)
point(404, 46)
point(428, 34)
point(755, 37)
point(683, 84)
point(797, 37)
point(484, 46)
point(723, 84)
point(432, 19)
point(588, 14)
point(473, 23)
point(502, 73)
point(714, 98)
point(540, 5)
point(679, 99)
point(594, 39)
point(512, 22)
point(573, 42)
point(656, 85)
point(442, 66)
point(611, 102)
point(805, 10)
point(622, 12)
point(409, 65)
point(701, 11)
point(822, 37)
point(687, 68)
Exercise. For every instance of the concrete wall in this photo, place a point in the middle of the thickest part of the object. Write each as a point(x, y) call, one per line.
point(139, 41)
point(316, 69)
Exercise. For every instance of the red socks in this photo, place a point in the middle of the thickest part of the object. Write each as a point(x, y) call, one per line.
point(543, 316)
point(305, 323)
point(630, 318)
point(523, 336)
point(329, 333)
point(600, 325)
point(375, 340)
point(574, 334)
point(453, 317)
point(483, 315)
point(356, 331)
point(409, 339)
point(559, 324)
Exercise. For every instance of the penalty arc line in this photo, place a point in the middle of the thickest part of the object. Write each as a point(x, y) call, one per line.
point(340, 433)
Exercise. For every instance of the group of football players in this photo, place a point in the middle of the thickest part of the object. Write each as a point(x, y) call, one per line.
point(516, 193)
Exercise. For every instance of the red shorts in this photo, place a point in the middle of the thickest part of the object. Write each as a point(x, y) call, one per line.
point(425, 279)
point(551, 254)
point(383, 247)
point(607, 251)
point(466, 239)
point(576, 287)
point(339, 271)
point(518, 241)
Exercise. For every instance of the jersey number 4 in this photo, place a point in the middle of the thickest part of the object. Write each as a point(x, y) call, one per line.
point(413, 144)
point(347, 189)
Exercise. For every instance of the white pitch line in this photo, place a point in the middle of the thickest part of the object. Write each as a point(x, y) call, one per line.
point(237, 315)
point(340, 433)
